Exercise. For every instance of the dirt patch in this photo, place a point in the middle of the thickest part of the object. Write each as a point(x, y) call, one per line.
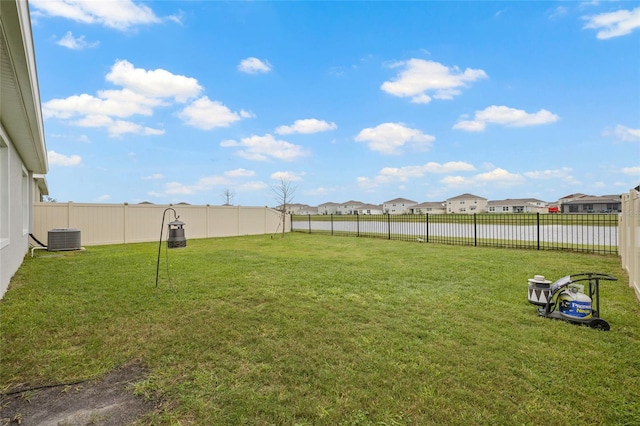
point(107, 402)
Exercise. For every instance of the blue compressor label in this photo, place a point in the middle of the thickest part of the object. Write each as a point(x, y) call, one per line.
point(576, 308)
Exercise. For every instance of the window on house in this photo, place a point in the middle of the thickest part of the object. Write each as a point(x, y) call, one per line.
point(4, 193)
point(492, 209)
point(462, 210)
point(505, 208)
point(461, 201)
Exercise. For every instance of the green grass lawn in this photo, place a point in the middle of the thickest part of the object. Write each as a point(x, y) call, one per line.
point(320, 330)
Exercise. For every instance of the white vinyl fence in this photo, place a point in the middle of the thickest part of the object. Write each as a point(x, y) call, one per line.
point(629, 238)
point(101, 224)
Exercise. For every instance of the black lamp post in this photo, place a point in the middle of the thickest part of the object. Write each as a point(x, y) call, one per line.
point(176, 236)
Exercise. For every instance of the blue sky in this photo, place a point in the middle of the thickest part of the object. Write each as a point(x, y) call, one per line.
point(171, 102)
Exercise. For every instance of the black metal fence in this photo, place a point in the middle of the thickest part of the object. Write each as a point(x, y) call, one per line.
point(590, 233)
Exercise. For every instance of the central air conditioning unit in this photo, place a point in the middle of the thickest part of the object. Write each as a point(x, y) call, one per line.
point(64, 239)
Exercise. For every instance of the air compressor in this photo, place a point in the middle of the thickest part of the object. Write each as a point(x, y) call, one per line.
point(565, 299)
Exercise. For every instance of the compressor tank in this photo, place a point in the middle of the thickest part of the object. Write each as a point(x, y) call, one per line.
point(574, 304)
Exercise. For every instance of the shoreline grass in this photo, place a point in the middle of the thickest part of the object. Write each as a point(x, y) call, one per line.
point(318, 330)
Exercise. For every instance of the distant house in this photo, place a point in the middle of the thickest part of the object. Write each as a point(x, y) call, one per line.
point(328, 208)
point(593, 204)
point(398, 206)
point(517, 205)
point(23, 154)
point(429, 207)
point(369, 209)
point(569, 198)
point(466, 203)
point(349, 207)
point(302, 209)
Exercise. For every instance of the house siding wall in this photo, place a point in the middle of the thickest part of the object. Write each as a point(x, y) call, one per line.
point(16, 243)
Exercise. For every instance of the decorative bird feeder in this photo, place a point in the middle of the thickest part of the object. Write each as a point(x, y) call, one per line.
point(176, 237)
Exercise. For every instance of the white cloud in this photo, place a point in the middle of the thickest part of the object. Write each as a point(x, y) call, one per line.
point(389, 174)
point(627, 134)
point(290, 176)
point(499, 176)
point(549, 174)
point(496, 178)
point(75, 43)
point(306, 126)
point(206, 114)
point(240, 173)
point(319, 191)
point(558, 12)
point(451, 166)
point(56, 159)
point(614, 24)
point(157, 83)
point(456, 181)
point(405, 173)
point(210, 183)
point(505, 116)
point(631, 170)
point(105, 197)
point(421, 80)
point(121, 15)
point(563, 175)
point(155, 176)
point(143, 91)
point(117, 128)
point(253, 65)
point(203, 184)
point(118, 103)
point(262, 148)
point(390, 138)
point(252, 186)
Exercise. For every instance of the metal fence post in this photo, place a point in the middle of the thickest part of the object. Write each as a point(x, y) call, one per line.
point(309, 215)
point(389, 225)
point(475, 231)
point(427, 233)
point(538, 228)
point(357, 225)
point(331, 223)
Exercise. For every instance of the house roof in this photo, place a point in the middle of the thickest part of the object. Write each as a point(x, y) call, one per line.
point(20, 109)
point(573, 196)
point(515, 202)
point(432, 204)
point(328, 204)
point(466, 197)
point(596, 199)
point(370, 207)
point(41, 182)
point(400, 200)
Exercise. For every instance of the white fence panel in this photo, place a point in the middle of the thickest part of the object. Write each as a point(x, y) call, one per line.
point(132, 223)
